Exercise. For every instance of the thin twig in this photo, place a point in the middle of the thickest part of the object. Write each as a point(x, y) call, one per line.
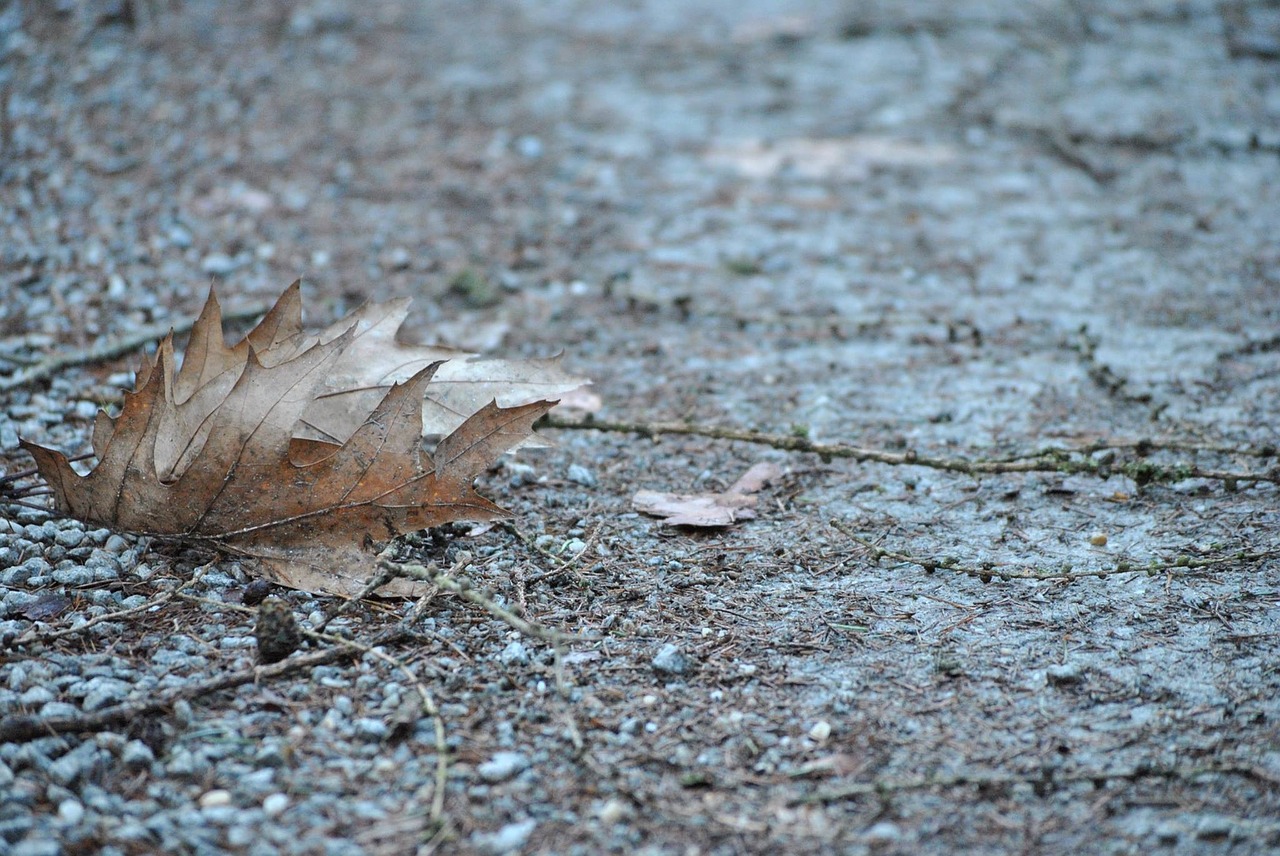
point(428, 706)
point(32, 637)
point(18, 729)
point(463, 589)
point(379, 580)
point(1066, 462)
point(110, 350)
point(1180, 565)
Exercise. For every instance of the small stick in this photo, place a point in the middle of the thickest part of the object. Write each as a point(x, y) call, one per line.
point(1055, 461)
point(21, 728)
point(428, 706)
point(32, 636)
point(462, 588)
point(110, 350)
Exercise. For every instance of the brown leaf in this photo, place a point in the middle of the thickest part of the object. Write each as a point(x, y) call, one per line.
point(213, 452)
point(709, 509)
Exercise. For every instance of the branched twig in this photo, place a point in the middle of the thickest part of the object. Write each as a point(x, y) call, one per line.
point(110, 350)
point(1047, 779)
point(563, 564)
point(1063, 461)
point(461, 587)
point(986, 572)
point(379, 580)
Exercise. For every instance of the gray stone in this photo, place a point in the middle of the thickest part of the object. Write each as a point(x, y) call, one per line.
point(269, 754)
point(883, 833)
point(35, 697)
point(1063, 674)
point(36, 566)
point(502, 766)
point(74, 575)
point(36, 847)
point(275, 804)
point(10, 629)
point(515, 654)
point(59, 708)
point(104, 692)
point(579, 474)
point(184, 762)
point(370, 729)
point(14, 828)
point(508, 839)
point(137, 755)
point(218, 264)
point(69, 537)
point(79, 762)
point(671, 660)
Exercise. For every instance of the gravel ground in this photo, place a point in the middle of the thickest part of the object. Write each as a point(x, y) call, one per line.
point(950, 230)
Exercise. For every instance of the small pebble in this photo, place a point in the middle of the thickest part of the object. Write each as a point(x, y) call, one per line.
point(275, 804)
point(671, 660)
point(1098, 539)
point(398, 259)
point(612, 811)
point(883, 832)
point(70, 812)
point(137, 755)
point(218, 264)
point(371, 729)
point(821, 731)
point(502, 766)
point(69, 537)
point(579, 474)
point(35, 697)
point(515, 654)
point(215, 798)
point(520, 474)
point(508, 839)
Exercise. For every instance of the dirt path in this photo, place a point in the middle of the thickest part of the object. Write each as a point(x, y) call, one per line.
point(959, 230)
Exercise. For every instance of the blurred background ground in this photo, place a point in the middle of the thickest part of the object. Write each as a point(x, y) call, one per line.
point(968, 229)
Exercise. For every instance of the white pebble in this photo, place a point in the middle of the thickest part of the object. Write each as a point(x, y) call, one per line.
point(821, 731)
point(275, 804)
point(612, 811)
point(502, 766)
point(215, 798)
point(508, 839)
point(70, 812)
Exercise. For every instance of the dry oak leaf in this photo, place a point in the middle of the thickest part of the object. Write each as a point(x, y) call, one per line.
point(219, 453)
point(709, 509)
point(357, 380)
